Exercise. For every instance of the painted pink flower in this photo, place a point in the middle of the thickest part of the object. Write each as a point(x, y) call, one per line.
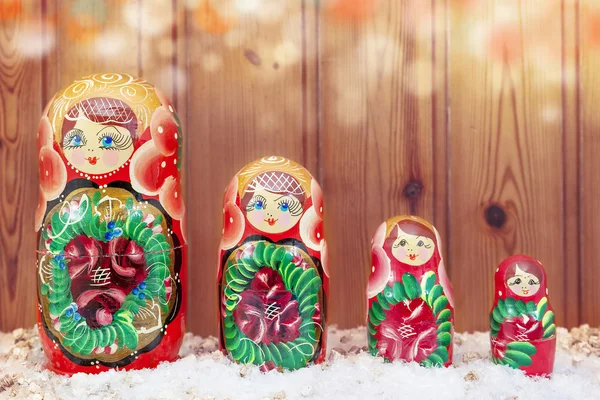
point(311, 224)
point(233, 218)
point(267, 311)
point(153, 169)
point(99, 282)
point(380, 271)
point(408, 333)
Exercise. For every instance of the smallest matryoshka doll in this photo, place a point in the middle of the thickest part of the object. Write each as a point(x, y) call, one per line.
point(522, 330)
point(410, 308)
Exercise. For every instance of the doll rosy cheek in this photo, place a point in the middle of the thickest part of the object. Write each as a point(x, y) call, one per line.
point(110, 158)
point(423, 254)
point(77, 157)
point(401, 252)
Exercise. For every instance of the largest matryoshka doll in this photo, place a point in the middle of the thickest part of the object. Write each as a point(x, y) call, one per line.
point(272, 274)
point(522, 330)
point(410, 303)
point(110, 227)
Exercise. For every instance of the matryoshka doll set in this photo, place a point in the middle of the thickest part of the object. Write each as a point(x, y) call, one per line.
point(111, 259)
point(272, 274)
point(110, 227)
point(410, 305)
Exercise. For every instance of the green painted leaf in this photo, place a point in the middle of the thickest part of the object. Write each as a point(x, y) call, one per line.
point(411, 286)
point(443, 316)
point(442, 352)
point(542, 306)
point(377, 310)
point(445, 327)
point(258, 254)
point(399, 293)
point(436, 360)
point(434, 294)
point(520, 358)
point(523, 347)
point(440, 304)
point(510, 362)
point(383, 302)
point(427, 283)
point(550, 331)
point(520, 306)
point(444, 339)
point(548, 319)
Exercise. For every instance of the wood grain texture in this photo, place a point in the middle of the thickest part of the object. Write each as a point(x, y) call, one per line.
point(380, 78)
point(506, 150)
point(20, 103)
point(479, 116)
point(589, 17)
point(249, 97)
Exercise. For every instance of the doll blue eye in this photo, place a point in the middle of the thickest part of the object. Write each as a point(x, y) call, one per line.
point(258, 205)
point(284, 207)
point(420, 244)
point(107, 141)
point(76, 140)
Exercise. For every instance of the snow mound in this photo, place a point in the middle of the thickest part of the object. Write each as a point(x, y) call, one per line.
point(349, 373)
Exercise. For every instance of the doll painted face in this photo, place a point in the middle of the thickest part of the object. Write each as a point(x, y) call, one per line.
point(98, 135)
point(414, 248)
point(522, 283)
point(274, 202)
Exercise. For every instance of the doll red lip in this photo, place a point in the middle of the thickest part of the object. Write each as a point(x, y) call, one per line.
point(412, 257)
point(271, 221)
point(525, 291)
point(92, 160)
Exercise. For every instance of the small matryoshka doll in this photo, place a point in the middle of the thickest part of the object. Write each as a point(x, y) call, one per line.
point(272, 275)
point(522, 330)
point(110, 227)
point(410, 305)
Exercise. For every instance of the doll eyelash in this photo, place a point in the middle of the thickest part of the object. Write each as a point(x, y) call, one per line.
point(121, 141)
point(70, 135)
point(254, 200)
point(294, 206)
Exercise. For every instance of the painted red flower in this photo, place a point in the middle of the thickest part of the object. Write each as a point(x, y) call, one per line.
point(311, 224)
point(154, 168)
point(233, 218)
point(521, 329)
point(380, 271)
point(100, 282)
point(408, 333)
point(267, 312)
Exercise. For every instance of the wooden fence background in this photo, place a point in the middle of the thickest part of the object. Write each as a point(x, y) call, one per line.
point(479, 115)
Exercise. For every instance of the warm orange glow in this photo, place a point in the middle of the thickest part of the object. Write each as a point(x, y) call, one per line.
point(505, 42)
point(592, 29)
point(9, 9)
point(351, 10)
point(83, 29)
point(210, 21)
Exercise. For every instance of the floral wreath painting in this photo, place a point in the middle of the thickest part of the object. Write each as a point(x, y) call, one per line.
point(111, 226)
point(522, 327)
point(272, 275)
point(410, 305)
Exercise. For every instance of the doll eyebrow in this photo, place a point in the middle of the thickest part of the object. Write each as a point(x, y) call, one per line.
point(105, 128)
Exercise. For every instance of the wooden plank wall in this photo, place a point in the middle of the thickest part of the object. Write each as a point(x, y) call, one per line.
point(477, 115)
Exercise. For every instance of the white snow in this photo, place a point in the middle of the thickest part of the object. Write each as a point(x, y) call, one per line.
point(203, 373)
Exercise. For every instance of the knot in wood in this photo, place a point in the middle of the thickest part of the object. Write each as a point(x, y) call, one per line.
point(413, 189)
point(495, 216)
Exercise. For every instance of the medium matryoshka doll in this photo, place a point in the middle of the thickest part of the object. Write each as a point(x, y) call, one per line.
point(410, 305)
point(272, 275)
point(110, 223)
point(522, 330)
